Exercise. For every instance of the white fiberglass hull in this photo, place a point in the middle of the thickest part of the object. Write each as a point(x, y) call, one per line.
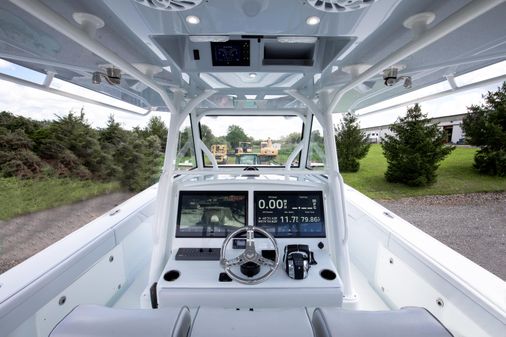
point(393, 265)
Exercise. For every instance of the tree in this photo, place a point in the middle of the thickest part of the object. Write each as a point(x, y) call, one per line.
point(292, 138)
point(156, 127)
point(75, 134)
point(139, 161)
point(414, 150)
point(351, 144)
point(206, 135)
point(485, 126)
point(235, 135)
point(16, 156)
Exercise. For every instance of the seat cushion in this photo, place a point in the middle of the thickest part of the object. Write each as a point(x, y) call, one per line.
point(99, 321)
point(412, 322)
point(255, 322)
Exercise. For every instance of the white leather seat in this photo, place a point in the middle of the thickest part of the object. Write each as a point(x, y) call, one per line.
point(99, 321)
point(412, 322)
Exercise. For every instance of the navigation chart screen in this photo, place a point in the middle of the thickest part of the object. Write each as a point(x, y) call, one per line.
point(210, 213)
point(290, 214)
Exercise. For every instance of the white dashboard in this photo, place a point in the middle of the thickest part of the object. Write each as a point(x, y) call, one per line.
point(193, 275)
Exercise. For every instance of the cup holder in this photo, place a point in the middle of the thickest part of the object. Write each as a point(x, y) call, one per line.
point(171, 275)
point(328, 274)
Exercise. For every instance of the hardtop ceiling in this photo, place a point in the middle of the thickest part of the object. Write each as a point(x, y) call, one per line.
point(185, 58)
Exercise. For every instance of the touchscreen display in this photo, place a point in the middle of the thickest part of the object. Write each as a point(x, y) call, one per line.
point(234, 53)
point(290, 214)
point(210, 213)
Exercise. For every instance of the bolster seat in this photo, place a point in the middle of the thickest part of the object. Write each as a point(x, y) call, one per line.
point(412, 322)
point(99, 321)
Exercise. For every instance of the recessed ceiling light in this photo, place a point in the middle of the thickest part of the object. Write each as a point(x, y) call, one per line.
point(193, 20)
point(252, 75)
point(313, 20)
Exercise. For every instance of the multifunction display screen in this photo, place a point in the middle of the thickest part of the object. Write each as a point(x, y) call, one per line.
point(290, 214)
point(206, 214)
point(234, 53)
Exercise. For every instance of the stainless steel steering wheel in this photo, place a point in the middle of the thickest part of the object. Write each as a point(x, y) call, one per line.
point(249, 255)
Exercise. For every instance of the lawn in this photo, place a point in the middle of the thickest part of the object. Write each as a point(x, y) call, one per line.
point(455, 175)
point(21, 196)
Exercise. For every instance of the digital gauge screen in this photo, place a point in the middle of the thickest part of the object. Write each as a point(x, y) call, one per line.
point(234, 53)
point(208, 214)
point(290, 214)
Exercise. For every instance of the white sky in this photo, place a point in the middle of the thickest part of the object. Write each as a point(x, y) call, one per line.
point(448, 105)
point(258, 127)
point(40, 105)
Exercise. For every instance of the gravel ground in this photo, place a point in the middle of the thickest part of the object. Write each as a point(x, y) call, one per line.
point(472, 224)
point(26, 235)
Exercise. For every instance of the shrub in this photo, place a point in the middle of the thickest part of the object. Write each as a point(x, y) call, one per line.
point(16, 156)
point(70, 147)
point(139, 160)
point(351, 144)
point(414, 150)
point(485, 126)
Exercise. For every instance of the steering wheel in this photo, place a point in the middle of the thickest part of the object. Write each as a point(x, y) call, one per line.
point(249, 255)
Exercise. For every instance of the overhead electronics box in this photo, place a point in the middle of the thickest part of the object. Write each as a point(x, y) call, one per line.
point(247, 53)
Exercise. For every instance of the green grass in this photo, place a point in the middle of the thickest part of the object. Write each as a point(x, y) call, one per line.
point(21, 196)
point(455, 175)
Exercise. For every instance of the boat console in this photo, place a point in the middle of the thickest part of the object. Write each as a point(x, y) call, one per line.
point(250, 248)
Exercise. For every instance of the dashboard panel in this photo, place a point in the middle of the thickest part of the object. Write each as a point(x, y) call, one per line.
point(284, 214)
point(290, 214)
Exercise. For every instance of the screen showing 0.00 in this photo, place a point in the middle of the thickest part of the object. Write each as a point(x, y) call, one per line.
point(290, 214)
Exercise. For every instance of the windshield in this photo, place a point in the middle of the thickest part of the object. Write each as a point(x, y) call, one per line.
point(251, 140)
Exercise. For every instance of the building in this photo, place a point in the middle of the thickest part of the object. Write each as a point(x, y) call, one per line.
point(451, 124)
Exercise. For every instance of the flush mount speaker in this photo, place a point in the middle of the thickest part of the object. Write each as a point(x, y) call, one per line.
point(336, 6)
point(170, 5)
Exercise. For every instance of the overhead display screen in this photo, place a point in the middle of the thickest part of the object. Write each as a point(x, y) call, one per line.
point(234, 53)
point(290, 214)
point(207, 214)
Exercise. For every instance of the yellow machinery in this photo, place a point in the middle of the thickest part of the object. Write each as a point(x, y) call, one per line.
point(266, 149)
point(219, 152)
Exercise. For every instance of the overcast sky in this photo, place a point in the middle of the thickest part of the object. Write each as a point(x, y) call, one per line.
point(40, 105)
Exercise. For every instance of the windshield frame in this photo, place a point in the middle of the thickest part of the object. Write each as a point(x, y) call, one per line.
point(301, 148)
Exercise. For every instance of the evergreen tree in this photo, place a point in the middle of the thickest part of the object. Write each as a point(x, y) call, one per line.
point(485, 126)
point(414, 150)
point(139, 159)
point(16, 156)
point(75, 134)
point(351, 144)
point(156, 127)
point(70, 147)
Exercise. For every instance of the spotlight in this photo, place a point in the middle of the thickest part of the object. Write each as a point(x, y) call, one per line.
point(95, 78)
point(407, 82)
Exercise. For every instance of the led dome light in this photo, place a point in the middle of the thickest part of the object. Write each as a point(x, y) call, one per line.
point(297, 39)
point(313, 20)
point(193, 20)
point(209, 38)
